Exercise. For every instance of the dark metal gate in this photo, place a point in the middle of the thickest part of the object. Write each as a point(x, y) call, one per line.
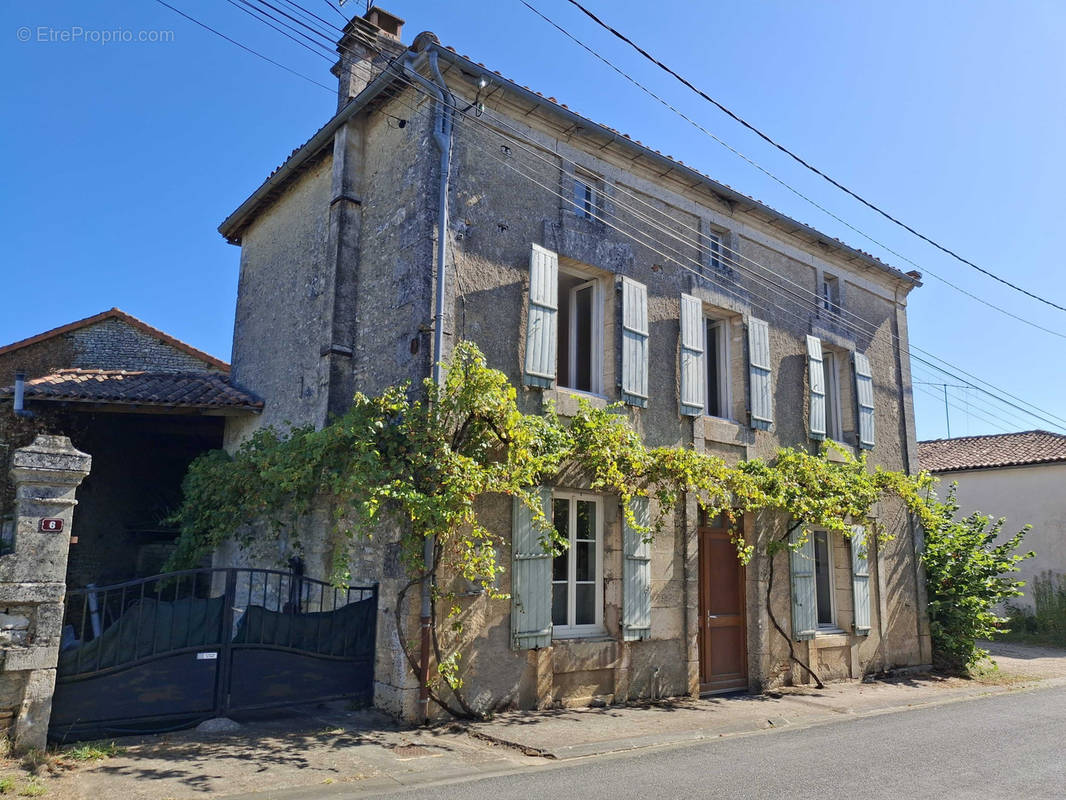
point(168, 651)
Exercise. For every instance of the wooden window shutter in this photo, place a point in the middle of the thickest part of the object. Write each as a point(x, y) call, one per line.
point(693, 358)
point(804, 591)
point(542, 318)
point(636, 576)
point(531, 579)
point(860, 579)
point(634, 343)
point(762, 401)
point(864, 394)
point(816, 374)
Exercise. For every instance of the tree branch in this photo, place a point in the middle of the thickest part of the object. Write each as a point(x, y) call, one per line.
point(770, 611)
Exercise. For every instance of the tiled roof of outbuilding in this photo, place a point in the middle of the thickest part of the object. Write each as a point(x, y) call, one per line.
point(191, 390)
point(986, 452)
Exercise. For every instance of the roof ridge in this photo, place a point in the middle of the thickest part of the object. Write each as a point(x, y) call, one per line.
point(1040, 431)
point(117, 313)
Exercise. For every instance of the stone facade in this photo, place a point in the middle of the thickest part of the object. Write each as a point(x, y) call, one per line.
point(32, 585)
point(346, 232)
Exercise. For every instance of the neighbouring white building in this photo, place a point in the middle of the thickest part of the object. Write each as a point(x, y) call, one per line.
point(1019, 476)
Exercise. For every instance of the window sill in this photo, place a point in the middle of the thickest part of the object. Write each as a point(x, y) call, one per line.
point(724, 431)
point(834, 455)
point(566, 400)
point(591, 636)
point(831, 637)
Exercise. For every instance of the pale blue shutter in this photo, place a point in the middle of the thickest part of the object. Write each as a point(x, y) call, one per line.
point(541, 323)
point(804, 594)
point(860, 579)
point(864, 393)
point(634, 343)
point(693, 359)
point(636, 575)
point(816, 419)
point(531, 579)
point(762, 401)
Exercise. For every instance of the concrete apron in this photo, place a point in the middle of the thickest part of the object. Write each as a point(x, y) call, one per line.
point(578, 733)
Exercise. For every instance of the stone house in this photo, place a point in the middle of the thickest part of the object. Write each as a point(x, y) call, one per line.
point(143, 404)
point(1017, 476)
point(583, 263)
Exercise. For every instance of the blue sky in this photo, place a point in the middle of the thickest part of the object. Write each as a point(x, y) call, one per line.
point(122, 158)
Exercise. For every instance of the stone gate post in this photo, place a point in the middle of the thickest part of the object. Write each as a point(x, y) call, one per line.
point(46, 475)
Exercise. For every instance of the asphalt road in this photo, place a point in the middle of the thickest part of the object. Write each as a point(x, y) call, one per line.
point(1008, 746)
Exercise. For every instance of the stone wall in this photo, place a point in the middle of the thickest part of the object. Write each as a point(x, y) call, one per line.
point(496, 214)
point(46, 475)
point(108, 344)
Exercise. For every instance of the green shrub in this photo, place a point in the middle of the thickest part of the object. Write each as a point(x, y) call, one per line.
point(968, 577)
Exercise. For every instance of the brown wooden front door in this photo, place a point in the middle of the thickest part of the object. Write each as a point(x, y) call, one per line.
point(723, 639)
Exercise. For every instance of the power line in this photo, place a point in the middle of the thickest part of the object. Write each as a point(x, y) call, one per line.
point(789, 187)
point(807, 164)
point(244, 47)
point(1028, 412)
point(254, 13)
point(700, 274)
point(341, 13)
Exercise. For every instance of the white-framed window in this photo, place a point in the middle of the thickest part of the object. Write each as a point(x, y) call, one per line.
point(588, 195)
point(577, 572)
point(714, 250)
point(716, 358)
point(831, 370)
point(580, 342)
point(825, 591)
point(830, 293)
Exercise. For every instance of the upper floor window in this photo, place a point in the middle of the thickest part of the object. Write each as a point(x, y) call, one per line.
point(587, 196)
point(830, 293)
point(577, 572)
point(580, 320)
point(716, 350)
point(831, 370)
point(714, 250)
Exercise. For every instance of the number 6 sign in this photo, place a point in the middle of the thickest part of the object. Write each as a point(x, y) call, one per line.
point(51, 525)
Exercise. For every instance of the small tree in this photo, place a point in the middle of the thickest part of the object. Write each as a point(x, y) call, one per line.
point(968, 578)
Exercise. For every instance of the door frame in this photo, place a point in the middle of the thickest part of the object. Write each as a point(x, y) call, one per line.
point(738, 684)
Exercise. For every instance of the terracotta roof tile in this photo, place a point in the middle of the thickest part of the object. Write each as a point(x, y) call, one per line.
point(206, 390)
point(985, 452)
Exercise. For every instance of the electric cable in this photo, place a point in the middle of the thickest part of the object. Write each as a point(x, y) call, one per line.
point(933, 366)
point(807, 164)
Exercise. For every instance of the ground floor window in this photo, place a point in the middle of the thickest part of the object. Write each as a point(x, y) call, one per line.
point(823, 578)
point(577, 573)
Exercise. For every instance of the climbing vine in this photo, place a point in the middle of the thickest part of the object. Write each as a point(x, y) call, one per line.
point(420, 461)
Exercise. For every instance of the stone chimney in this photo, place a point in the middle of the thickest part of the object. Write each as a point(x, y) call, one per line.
point(369, 43)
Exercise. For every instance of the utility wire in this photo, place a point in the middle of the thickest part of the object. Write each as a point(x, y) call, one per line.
point(807, 164)
point(244, 47)
point(254, 13)
point(1023, 410)
point(786, 185)
point(705, 277)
